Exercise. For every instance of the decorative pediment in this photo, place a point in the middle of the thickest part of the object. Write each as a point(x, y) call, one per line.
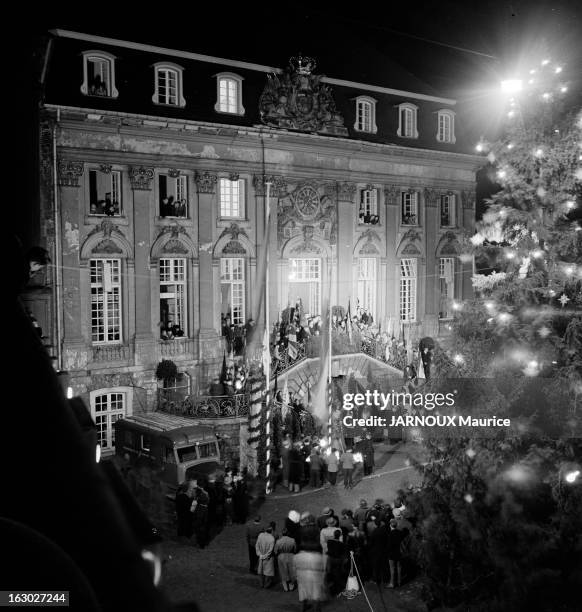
point(448, 244)
point(106, 246)
point(234, 247)
point(369, 246)
point(106, 227)
point(234, 231)
point(449, 249)
point(410, 249)
point(174, 246)
point(68, 173)
point(298, 100)
point(412, 235)
point(206, 182)
point(141, 178)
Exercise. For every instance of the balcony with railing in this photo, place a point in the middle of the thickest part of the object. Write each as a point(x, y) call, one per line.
point(102, 353)
point(203, 406)
point(176, 348)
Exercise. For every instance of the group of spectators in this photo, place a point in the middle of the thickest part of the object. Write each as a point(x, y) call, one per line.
point(307, 462)
point(204, 508)
point(315, 554)
point(233, 381)
point(237, 336)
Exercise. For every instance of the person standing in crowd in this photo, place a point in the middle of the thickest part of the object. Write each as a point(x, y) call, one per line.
point(348, 468)
point(308, 534)
point(377, 549)
point(361, 514)
point(314, 468)
point(240, 499)
point(337, 563)
point(346, 522)
point(368, 453)
point(200, 505)
point(295, 468)
point(254, 528)
point(322, 518)
point(292, 525)
point(310, 570)
point(184, 499)
point(285, 461)
point(264, 548)
point(327, 533)
point(332, 462)
point(356, 543)
point(285, 548)
point(394, 540)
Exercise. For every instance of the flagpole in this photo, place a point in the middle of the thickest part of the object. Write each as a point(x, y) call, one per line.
point(329, 399)
point(267, 366)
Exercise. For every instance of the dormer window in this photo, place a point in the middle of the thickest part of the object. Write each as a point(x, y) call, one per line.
point(99, 74)
point(446, 126)
point(407, 120)
point(229, 94)
point(368, 212)
point(365, 115)
point(168, 85)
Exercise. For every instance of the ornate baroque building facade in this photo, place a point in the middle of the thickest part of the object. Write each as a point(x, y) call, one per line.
point(154, 166)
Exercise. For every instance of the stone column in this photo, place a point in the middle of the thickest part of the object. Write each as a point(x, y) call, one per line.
point(431, 199)
point(141, 183)
point(345, 245)
point(206, 186)
point(468, 223)
point(75, 344)
point(391, 202)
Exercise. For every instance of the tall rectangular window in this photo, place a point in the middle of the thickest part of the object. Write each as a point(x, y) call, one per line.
point(105, 192)
point(228, 98)
point(447, 286)
point(446, 126)
point(364, 116)
point(107, 409)
point(98, 74)
point(173, 195)
point(167, 87)
point(447, 210)
point(232, 198)
point(367, 282)
point(368, 213)
point(408, 275)
point(410, 208)
point(305, 284)
point(105, 277)
point(173, 312)
point(232, 288)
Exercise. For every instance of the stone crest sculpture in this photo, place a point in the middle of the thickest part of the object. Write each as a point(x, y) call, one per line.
point(297, 100)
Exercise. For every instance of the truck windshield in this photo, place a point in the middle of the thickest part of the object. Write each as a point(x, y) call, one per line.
point(188, 453)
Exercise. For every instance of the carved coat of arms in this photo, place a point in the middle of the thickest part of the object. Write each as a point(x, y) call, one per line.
point(297, 100)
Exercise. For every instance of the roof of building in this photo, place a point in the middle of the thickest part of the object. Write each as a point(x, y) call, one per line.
point(175, 428)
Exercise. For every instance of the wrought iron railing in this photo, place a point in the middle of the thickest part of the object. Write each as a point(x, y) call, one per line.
point(110, 352)
point(284, 361)
point(204, 406)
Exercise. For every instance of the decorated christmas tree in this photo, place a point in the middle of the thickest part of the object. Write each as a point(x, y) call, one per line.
point(499, 518)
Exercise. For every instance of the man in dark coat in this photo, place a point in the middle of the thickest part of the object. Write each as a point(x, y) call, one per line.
point(295, 469)
point(254, 528)
point(200, 519)
point(184, 498)
point(394, 541)
point(367, 450)
point(377, 548)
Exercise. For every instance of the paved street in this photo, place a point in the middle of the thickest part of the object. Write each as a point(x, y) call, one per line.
point(217, 577)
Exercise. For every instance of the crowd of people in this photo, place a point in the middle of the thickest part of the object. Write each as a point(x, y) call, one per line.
point(204, 508)
point(310, 462)
point(314, 553)
point(231, 382)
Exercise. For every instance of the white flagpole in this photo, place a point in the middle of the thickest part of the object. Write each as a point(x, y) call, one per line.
point(267, 335)
point(329, 399)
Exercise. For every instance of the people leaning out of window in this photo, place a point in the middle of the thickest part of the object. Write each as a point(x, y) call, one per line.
point(368, 218)
point(105, 207)
point(169, 207)
point(170, 331)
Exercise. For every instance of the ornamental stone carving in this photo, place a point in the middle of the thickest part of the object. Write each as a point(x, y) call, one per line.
point(278, 185)
point(410, 249)
point(431, 197)
point(68, 173)
point(411, 235)
point(174, 246)
point(107, 227)
point(234, 247)
point(233, 231)
point(174, 172)
point(106, 246)
point(392, 195)
point(233, 176)
point(468, 198)
point(141, 178)
point(297, 100)
point(346, 192)
point(306, 201)
point(369, 247)
point(105, 168)
point(308, 245)
point(206, 182)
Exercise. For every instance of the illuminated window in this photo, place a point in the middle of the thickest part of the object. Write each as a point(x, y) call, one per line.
point(232, 288)
point(367, 282)
point(447, 210)
point(106, 409)
point(368, 212)
point(173, 195)
point(105, 277)
point(446, 126)
point(305, 284)
point(447, 286)
point(407, 120)
point(173, 313)
point(99, 74)
point(105, 192)
point(232, 198)
point(408, 275)
point(365, 115)
point(168, 85)
point(409, 208)
point(229, 94)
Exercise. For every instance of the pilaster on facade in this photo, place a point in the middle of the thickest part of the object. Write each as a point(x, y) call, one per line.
point(141, 178)
point(69, 173)
point(206, 182)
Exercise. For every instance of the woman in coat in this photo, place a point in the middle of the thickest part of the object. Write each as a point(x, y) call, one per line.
point(310, 568)
point(265, 552)
point(285, 548)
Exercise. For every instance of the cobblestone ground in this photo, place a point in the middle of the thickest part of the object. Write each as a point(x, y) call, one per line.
point(217, 577)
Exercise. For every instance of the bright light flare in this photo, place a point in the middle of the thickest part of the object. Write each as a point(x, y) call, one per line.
point(69, 392)
point(458, 358)
point(150, 557)
point(572, 477)
point(511, 86)
point(358, 458)
point(323, 443)
point(98, 453)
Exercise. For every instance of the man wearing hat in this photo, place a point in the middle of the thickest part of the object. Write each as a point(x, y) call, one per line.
point(327, 533)
point(361, 514)
point(322, 518)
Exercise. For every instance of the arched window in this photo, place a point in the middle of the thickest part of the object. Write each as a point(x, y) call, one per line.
point(229, 94)
point(407, 120)
point(365, 115)
point(99, 74)
point(446, 126)
point(168, 85)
